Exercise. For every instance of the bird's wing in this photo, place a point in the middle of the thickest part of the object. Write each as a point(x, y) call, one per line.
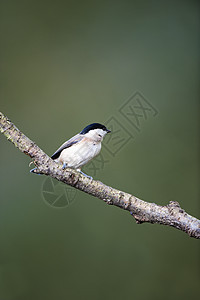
point(75, 139)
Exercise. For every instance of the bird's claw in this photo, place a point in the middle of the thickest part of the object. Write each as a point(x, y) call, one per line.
point(90, 177)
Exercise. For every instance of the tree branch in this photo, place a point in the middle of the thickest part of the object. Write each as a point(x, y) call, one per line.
point(171, 214)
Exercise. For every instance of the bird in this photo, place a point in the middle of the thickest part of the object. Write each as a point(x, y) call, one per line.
point(81, 148)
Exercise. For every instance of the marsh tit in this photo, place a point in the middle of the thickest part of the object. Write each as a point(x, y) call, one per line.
point(81, 148)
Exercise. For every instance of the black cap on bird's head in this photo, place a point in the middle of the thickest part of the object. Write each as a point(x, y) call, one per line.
point(94, 126)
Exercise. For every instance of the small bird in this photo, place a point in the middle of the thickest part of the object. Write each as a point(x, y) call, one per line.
point(81, 148)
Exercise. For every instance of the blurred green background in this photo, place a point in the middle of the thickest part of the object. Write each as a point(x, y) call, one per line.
point(65, 64)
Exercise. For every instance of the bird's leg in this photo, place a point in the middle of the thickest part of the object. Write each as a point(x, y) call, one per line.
point(64, 166)
point(79, 170)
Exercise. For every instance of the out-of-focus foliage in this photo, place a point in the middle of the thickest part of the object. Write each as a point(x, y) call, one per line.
point(66, 64)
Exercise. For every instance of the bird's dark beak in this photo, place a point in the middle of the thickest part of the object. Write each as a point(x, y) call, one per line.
point(108, 131)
